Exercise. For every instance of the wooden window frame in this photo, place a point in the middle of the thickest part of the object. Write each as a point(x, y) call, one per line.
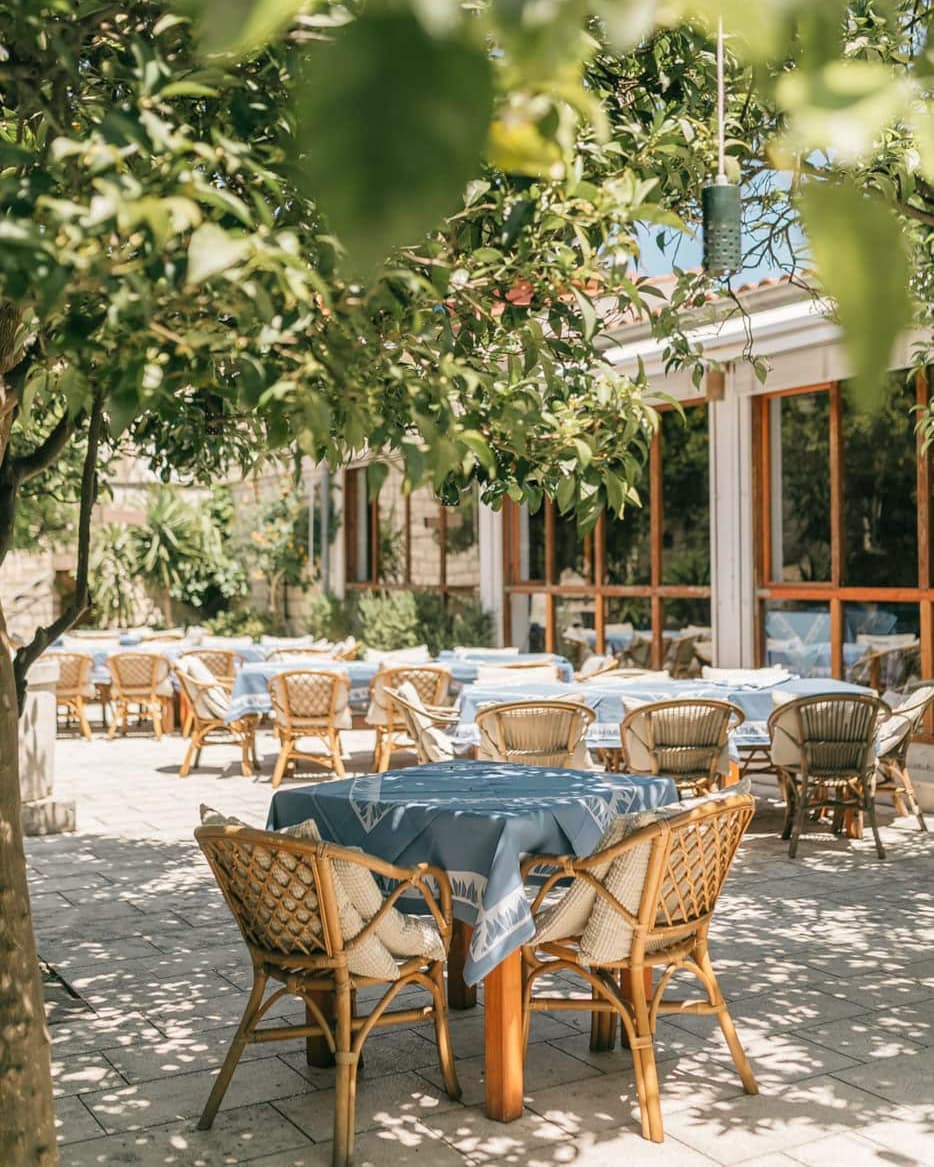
point(835, 593)
point(655, 591)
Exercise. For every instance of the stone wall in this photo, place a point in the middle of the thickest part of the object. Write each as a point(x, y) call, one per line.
point(27, 589)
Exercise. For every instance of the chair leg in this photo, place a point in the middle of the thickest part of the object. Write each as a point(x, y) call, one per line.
point(246, 769)
point(801, 810)
point(346, 1080)
point(119, 716)
point(334, 745)
point(237, 1046)
point(285, 752)
point(913, 805)
point(869, 807)
point(740, 1060)
point(643, 1060)
point(185, 768)
point(378, 749)
point(83, 719)
point(443, 1033)
point(155, 712)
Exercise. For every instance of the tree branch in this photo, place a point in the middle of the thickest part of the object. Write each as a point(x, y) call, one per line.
point(27, 466)
point(27, 655)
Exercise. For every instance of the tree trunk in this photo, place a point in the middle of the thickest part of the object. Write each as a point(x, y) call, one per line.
point(167, 607)
point(27, 1123)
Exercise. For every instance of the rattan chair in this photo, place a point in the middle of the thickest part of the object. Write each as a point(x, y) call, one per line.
point(824, 753)
point(222, 662)
point(679, 657)
point(893, 740)
point(141, 679)
point(684, 739)
point(310, 703)
point(535, 733)
point(596, 666)
point(74, 686)
point(643, 903)
point(638, 652)
point(208, 702)
point(431, 682)
point(425, 724)
point(285, 895)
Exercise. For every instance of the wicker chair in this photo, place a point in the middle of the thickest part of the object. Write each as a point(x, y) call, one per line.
point(644, 902)
point(208, 701)
point(638, 653)
point(222, 662)
point(679, 657)
point(431, 682)
point(823, 751)
point(74, 686)
point(285, 895)
point(535, 733)
point(596, 666)
point(425, 724)
point(893, 739)
point(142, 679)
point(310, 703)
point(685, 739)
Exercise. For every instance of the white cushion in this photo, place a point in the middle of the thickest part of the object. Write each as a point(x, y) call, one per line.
point(496, 675)
point(751, 678)
point(209, 703)
point(569, 916)
point(882, 643)
point(465, 650)
point(437, 745)
point(418, 655)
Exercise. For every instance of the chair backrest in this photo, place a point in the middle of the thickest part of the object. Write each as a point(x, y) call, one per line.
point(74, 673)
point(536, 733)
point(680, 656)
point(222, 662)
point(830, 735)
point(137, 674)
point(207, 696)
point(304, 695)
point(687, 737)
point(280, 654)
point(431, 682)
point(895, 733)
point(638, 652)
point(525, 674)
point(431, 743)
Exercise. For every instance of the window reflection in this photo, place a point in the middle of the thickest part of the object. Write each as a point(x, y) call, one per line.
point(685, 497)
point(799, 431)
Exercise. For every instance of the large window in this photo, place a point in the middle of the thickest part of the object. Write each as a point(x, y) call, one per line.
point(844, 545)
point(403, 540)
point(648, 572)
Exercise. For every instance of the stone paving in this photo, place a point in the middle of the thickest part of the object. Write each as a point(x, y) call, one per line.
point(828, 962)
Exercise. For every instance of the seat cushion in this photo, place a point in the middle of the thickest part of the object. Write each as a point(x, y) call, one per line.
point(209, 703)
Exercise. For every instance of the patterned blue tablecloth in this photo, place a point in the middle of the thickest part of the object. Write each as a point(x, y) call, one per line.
point(251, 686)
point(606, 699)
point(477, 820)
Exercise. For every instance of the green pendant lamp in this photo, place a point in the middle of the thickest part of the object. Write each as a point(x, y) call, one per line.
point(720, 200)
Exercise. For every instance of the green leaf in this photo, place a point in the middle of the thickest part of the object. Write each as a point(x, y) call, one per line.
point(393, 125)
point(588, 314)
point(564, 495)
point(375, 477)
point(235, 26)
point(211, 251)
point(862, 263)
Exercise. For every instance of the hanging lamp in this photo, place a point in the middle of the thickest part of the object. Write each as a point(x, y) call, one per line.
point(720, 199)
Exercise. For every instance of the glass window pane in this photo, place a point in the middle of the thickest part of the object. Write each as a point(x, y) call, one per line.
point(531, 565)
point(627, 554)
point(573, 552)
point(685, 497)
point(462, 561)
point(627, 628)
point(527, 622)
point(392, 532)
point(882, 648)
point(425, 538)
point(575, 617)
point(880, 490)
point(687, 636)
point(797, 636)
point(799, 429)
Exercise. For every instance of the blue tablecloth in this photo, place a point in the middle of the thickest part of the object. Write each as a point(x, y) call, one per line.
point(100, 673)
point(477, 820)
point(251, 687)
point(606, 699)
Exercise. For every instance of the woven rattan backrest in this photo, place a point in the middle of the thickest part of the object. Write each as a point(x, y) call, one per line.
point(538, 733)
point(686, 736)
point(833, 735)
point(639, 651)
point(680, 655)
point(222, 662)
point(272, 885)
point(694, 864)
point(137, 674)
point(308, 695)
point(431, 682)
point(74, 673)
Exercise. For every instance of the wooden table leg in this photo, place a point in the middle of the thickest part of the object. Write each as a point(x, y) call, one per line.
point(603, 1030)
point(502, 999)
point(625, 984)
point(317, 1051)
point(460, 994)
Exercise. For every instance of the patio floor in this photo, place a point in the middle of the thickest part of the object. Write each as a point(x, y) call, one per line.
point(828, 963)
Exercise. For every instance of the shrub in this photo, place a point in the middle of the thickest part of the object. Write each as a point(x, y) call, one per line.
point(244, 622)
point(386, 620)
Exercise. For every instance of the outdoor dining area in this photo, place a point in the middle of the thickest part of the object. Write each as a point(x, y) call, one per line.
point(555, 836)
